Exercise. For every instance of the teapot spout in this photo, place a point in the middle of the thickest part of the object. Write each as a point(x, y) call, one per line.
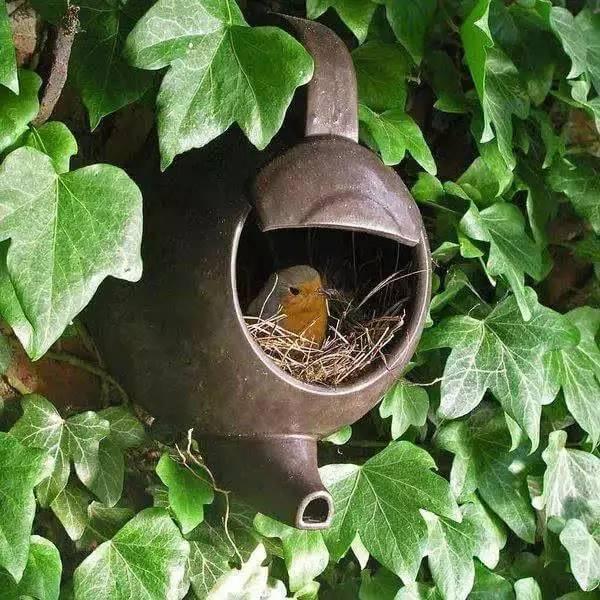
point(276, 474)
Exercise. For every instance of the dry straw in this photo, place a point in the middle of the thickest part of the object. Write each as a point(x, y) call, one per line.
point(358, 334)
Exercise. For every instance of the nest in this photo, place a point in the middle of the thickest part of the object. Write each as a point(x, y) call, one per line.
point(359, 330)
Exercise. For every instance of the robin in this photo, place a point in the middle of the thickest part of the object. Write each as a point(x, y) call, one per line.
point(297, 293)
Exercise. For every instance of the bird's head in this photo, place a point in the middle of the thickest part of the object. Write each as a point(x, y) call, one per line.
point(299, 288)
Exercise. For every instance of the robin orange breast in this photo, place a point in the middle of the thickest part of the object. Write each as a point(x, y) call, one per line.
point(296, 293)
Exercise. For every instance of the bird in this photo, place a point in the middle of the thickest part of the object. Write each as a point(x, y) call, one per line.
point(296, 293)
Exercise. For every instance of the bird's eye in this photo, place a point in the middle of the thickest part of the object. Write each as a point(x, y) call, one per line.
point(294, 291)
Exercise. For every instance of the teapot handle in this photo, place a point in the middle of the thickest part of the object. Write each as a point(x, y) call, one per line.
point(332, 100)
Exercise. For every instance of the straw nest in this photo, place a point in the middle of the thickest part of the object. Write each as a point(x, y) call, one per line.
point(359, 330)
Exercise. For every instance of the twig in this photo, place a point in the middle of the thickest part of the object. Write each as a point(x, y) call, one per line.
point(55, 63)
point(90, 368)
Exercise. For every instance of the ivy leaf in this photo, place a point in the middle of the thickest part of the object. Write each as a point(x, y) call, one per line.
point(71, 508)
point(512, 252)
point(496, 80)
point(221, 72)
point(104, 79)
point(483, 461)
point(68, 232)
point(55, 140)
point(22, 469)
point(356, 14)
point(577, 371)
point(206, 565)
point(580, 38)
point(584, 553)
point(125, 432)
point(339, 437)
point(249, 582)
point(145, 559)
point(407, 404)
point(418, 591)
point(8, 60)
point(189, 491)
point(125, 429)
point(381, 71)
point(571, 482)
point(502, 353)
point(527, 589)
point(490, 586)
point(445, 81)
point(76, 438)
point(16, 111)
point(394, 132)
point(578, 180)
point(102, 524)
point(410, 22)
point(380, 500)
point(452, 547)
point(304, 552)
point(381, 586)
point(41, 578)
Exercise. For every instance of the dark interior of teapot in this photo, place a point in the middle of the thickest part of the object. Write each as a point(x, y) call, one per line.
point(373, 274)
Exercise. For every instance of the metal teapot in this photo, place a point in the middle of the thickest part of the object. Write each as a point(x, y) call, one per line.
point(177, 340)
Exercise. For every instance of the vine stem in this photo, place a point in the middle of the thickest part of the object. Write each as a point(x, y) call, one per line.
point(90, 368)
point(225, 493)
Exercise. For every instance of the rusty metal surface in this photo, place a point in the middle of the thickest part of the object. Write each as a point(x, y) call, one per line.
point(333, 182)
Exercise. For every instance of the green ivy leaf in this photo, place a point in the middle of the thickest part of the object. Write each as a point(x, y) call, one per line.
point(580, 38)
point(527, 589)
point(380, 501)
point(496, 80)
point(483, 461)
point(407, 404)
point(221, 72)
point(571, 482)
point(55, 140)
point(381, 586)
point(102, 524)
point(578, 180)
point(410, 22)
point(22, 469)
point(86, 225)
point(17, 110)
point(104, 79)
point(394, 132)
point(577, 371)
point(490, 586)
point(71, 509)
point(381, 71)
point(189, 491)
point(304, 552)
point(8, 61)
point(445, 81)
point(145, 559)
point(452, 547)
point(125, 432)
point(339, 437)
point(41, 578)
point(512, 252)
point(206, 565)
point(76, 438)
point(356, 14)
point(584, 554)
point(502, 353)
point(418, 591)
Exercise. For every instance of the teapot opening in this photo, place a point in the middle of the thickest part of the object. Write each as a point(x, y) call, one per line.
point(371, 284)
